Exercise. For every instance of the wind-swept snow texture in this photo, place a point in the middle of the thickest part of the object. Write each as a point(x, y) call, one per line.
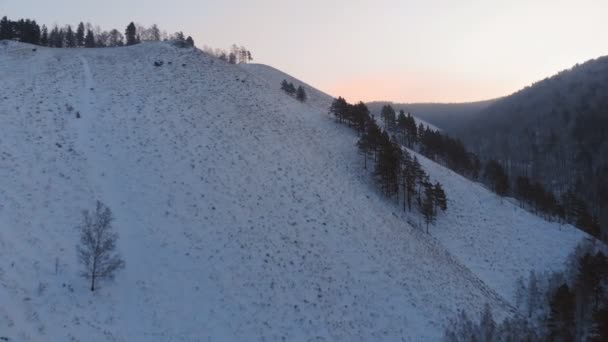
point(243, 214)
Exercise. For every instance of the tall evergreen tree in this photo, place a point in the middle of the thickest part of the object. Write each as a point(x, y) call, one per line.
point(301, 94)
point(131, 34)
point(70, 38)
point(408, 176)
point(497, 177)
point(80, 34)
point(6, 29)
point(89, 40)
point(389, 117)
point(365, 147)
point(440, 199)
point(44, 36)
point(428, 205)
point(189, 42)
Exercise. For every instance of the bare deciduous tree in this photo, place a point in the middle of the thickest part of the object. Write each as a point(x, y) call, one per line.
point(96, 251)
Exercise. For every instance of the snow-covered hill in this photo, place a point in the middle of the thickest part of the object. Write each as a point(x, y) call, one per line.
point(243, 214)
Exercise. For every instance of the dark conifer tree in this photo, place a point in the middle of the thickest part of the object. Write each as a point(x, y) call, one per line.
point(408, 176)
point(360, 116)
point(387, 165)
point(131, 34)
point(339, 108)
point(412, 131)
point(389, 117)
point(497, 177)
point(301, 94)
point(284, 85)
point(57, 37)
point(44, 36)
point(80, 34)
point(6, 29)
point(365, 147)
point(401, 127)
point(439, 197)
point(189, 42)
point(70, 38)
point(428, 205)
point(89, 40)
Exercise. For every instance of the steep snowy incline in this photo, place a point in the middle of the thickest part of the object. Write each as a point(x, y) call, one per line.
point(243, 214)
point(492, 237)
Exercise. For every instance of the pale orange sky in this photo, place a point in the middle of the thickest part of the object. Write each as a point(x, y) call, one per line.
point(400, 50)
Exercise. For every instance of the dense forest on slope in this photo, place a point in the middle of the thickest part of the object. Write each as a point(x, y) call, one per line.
point(554, 132)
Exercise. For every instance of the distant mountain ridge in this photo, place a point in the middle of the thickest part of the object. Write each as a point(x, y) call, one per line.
point(446, 116)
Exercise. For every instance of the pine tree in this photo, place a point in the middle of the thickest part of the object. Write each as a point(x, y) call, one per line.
point(131, 34)
point(387, 165)
point(388, 115)
point(89, 40)
point(412, 131)
point(70, 38)
point(428, 205)
point(44, 37)
point(6, 29)
point(284, 85)
point(440, 199)
point(402, 127)
point(80, 34)
point(497, 177)
point(301, 94)
point(56, 37)
point(338, 108)
point(360, 116)
point(189, 42)
point(365, 148)
point(408, 175)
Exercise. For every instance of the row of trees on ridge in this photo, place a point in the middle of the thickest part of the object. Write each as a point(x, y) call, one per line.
point(396, 170)
point(84, 35)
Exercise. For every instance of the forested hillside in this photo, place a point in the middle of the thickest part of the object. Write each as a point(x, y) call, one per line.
point(554, 132)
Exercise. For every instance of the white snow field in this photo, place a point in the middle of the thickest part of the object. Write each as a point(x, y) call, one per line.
point(244, 215)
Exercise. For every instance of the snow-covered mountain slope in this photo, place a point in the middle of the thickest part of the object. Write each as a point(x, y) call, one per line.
point(243, 214)
point(494, 237)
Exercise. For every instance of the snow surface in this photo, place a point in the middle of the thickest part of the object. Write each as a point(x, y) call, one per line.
point(243, 214)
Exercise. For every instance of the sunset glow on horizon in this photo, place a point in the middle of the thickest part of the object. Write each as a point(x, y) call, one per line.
point(398, 50)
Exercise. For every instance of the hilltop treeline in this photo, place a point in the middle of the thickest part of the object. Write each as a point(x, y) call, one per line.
point(236, 55)
point(569, 207)
point(84, 35)
point(396, 170)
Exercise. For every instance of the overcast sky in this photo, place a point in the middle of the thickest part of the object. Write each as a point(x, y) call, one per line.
point(400, 50)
